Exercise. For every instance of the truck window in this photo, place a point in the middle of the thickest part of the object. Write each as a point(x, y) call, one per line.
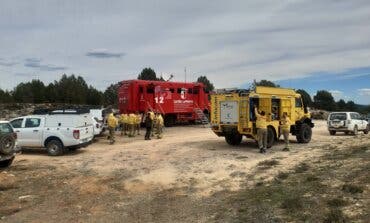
point(150, 90)
point(32, 122)
point(338, 116)
point(5, 128)
point(355, 116)
point(196, 91)
point(298, 103)
point(140, 89)
point(179, 90)
point(17, 123)
point(172, 90)
point(275, 108)
point(190, 90)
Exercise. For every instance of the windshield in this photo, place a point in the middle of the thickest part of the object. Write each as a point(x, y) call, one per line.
point(5, 128)
point(338, 116)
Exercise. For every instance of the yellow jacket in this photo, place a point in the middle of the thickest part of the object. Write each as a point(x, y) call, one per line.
point(137, 119)
point(152, 116)
point(261, 121)
point(112, 121)
point(123, 118)
point(285, 123)
point(131, 119)
point(159, 120)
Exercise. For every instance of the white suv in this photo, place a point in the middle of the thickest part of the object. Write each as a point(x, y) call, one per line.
point(346, 122)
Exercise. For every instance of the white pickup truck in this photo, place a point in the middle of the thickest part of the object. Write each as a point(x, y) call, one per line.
point(56, 132)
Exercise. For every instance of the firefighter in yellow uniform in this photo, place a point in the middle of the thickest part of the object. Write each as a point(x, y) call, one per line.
point(261, 126)
point(112, 124)
point(159, 125)
point(137, 123)
point(123, 121)
point(152, 117)
point(131, 124)
point(285, 129)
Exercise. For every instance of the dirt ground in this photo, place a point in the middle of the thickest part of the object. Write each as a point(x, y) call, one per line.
point(184, 177)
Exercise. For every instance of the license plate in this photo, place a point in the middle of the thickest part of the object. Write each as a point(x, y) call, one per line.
point(84, 140)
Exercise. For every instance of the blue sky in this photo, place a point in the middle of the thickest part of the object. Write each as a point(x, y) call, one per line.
point(349, 85)
point(298, 43)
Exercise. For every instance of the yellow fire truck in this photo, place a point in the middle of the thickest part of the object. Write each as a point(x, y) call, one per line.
point(232, 114)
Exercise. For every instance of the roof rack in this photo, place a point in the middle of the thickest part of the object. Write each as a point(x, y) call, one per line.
point(61, 111)
point(232, 90)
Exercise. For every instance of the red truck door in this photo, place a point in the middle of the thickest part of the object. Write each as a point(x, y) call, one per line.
point(150, 102)
point(142, 101)
point(196, 97)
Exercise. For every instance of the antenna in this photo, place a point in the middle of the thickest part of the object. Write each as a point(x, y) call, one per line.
point(171, 76)
point(185, 73)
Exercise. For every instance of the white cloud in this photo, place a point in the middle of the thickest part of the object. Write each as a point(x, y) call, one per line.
point(364, 91)
point(336, 94)
point(230, 43)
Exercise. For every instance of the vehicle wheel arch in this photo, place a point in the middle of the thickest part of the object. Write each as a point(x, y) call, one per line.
point(308, 121)
point(52, 138)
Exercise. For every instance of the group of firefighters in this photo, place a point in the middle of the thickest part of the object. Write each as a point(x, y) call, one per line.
point(261, 126)
point(129, 124)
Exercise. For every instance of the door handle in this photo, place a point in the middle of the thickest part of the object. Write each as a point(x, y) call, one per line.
point(35, 130)
point(17, 131)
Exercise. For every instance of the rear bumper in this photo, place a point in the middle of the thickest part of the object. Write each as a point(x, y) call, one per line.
point(221, 130)
point(81, 145)
point(340, 129)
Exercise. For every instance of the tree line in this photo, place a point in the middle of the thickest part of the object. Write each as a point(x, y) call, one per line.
point(68, 89)
point(72, 89)
point(322, 100)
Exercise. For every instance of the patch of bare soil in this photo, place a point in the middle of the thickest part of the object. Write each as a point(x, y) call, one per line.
point(190, 175)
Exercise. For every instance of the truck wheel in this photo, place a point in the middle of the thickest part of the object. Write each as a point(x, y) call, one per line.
point(304, 134)
point(332, 132)
point(55, 147)
point(366, 131)
point(7, 144)
point(355, 130)
point(270, 137)
point(6, 163)
point(233, 139)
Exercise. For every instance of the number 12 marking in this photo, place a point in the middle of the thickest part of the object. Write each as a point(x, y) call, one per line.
point(159, 100)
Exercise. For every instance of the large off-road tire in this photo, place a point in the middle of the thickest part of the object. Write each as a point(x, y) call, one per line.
point(6, 163)
point(270, 137)
point(7, 144)
point(55, 147)
point(233, 139)
point(332, 132)
point(355, 130)
point(304, 133)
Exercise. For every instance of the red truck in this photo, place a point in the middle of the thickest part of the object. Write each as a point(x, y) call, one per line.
point(176, 101)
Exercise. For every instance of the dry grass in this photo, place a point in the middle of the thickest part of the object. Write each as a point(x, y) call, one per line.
point(305, 194)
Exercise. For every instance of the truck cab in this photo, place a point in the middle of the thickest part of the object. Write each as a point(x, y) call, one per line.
point(232, 114)
point(56, 131)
